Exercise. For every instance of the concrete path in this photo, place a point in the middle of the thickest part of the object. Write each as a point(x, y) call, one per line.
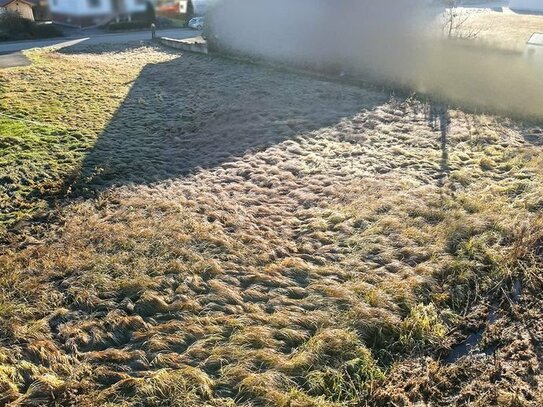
point(13, 59)
point(92, 39)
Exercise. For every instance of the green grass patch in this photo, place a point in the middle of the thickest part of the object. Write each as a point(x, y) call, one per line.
point(35, 160)
point(51, 114)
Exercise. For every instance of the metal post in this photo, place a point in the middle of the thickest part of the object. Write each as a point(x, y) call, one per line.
point(153, 31)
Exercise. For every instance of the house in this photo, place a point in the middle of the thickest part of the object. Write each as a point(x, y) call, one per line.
point(86, 13)
point(171, 8)
point(23, 7)
point(527, 5)
point(187, 8)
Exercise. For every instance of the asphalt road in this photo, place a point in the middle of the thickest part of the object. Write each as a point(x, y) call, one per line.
point(91, 39)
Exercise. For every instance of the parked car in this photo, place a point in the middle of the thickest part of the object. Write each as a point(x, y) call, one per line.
point(196, 23)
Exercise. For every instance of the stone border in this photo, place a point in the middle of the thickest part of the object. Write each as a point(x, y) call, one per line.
point(196, 44)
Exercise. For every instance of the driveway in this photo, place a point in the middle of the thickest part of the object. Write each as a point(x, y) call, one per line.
point(92, 39)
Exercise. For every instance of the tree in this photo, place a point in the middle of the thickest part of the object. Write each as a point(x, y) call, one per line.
point(454, 21)
point(150, 16)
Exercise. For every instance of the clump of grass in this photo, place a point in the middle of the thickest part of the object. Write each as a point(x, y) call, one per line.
point(422, 327)
point(267, 388)
point(350, 383)
point(334, 364)
point(166, 387)
point(486, 164)
point(510, 399)
point(45, 387)
point(10, 381)
point(150, 304)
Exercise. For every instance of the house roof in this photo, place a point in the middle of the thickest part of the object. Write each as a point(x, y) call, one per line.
point(4, 3)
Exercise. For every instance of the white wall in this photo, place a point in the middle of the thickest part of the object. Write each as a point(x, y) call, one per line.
point(103, 8)
point(80, 7)
point(529, 5)
point(64, 6)
point(135, 6)
point(84, 8)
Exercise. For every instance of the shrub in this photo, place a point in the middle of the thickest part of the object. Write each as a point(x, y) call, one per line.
point(128, 25)
point(165, 22)
point(150, 16)
point(45, 31)
point(15, 27)
point(12, 23)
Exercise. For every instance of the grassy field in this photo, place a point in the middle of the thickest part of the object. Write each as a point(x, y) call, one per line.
point(505, 29)
point(183, 230)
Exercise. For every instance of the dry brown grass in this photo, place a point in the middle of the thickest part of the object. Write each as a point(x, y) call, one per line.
point(342, 231)
point(506, 29)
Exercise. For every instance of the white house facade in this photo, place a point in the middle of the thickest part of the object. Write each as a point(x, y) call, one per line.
point(84, 13)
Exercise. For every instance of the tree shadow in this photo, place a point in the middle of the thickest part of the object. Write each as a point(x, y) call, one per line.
point(197, 111)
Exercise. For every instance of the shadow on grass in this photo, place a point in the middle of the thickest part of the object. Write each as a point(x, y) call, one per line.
point(438, 119)
point(197, 112)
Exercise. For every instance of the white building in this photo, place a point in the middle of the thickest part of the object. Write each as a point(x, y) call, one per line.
point(526, 5)
point(85, 13)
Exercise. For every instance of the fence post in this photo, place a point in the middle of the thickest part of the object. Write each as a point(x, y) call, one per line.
point(153, 31)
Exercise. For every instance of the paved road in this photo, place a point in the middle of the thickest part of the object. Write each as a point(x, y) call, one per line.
point(13, 59)
point(11, 47)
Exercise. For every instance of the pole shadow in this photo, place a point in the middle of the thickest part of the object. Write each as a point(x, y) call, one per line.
point(439, 120)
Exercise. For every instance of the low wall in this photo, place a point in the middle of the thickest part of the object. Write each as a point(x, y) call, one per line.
point(196, 44)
